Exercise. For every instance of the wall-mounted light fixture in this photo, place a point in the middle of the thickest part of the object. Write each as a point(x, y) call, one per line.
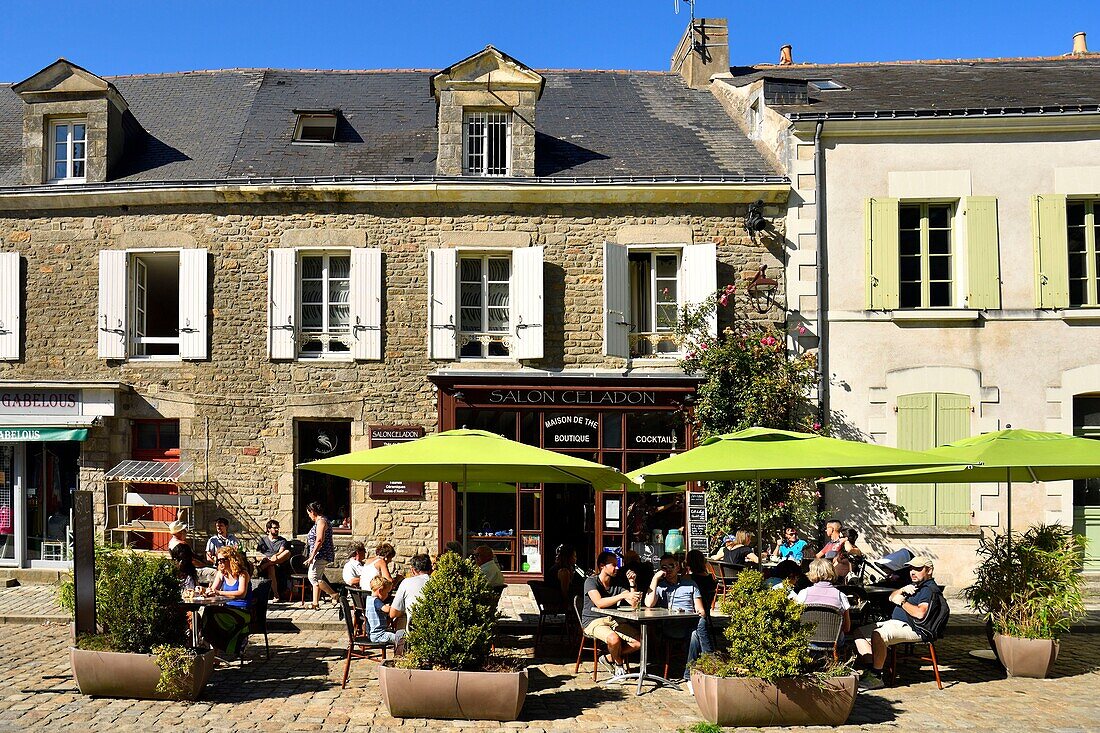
point(761, 290)
point(754, 220)
point(459, 395)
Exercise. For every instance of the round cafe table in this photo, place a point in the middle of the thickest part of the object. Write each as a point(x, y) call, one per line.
point(643, 618)
point(194, 605)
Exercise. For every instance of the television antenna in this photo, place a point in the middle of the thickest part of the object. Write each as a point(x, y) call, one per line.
point(676, 7)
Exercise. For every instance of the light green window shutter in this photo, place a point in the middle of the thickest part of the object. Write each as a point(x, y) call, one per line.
point(952, 423)
point(983, 257)
point(1048, 227)
point(880, 224)
point(916, 431)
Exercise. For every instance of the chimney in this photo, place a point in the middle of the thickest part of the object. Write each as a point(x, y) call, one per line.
point(1079, 47)
point(704, 50)
point(785, 55)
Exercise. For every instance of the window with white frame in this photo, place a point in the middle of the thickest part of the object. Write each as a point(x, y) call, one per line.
point(485, 312)
point(68, 150)
point(155, 302)
point(324, 304)
point(487, 143)
point(925, 255)
point(654, 302)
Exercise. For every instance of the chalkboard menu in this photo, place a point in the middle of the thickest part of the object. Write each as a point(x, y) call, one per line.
point(381, 435)
point(697, 521)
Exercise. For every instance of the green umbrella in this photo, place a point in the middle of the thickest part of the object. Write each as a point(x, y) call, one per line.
point(467, 457)
point(763, 453)
point(1004, 455)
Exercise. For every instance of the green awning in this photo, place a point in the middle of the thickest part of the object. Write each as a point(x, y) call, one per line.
point(29, 434)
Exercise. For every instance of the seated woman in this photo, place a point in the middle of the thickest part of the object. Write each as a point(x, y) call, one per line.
point(563, 575)
point(184, 558)
point(702, 575)
point(824, 593)
point(378, 612)
point(743, 551)
point(225, 628)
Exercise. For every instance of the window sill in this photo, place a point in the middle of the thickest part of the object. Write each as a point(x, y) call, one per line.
point(656, 361)
point(903, 530)
point(154, 360)
point(933, 315)
point(1081, 313)
point(326, 358)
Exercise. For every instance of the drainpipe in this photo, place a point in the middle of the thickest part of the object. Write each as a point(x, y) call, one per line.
point(822, 266)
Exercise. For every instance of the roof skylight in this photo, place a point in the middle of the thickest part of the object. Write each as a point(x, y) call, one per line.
point(826, 85)
point(316, 126)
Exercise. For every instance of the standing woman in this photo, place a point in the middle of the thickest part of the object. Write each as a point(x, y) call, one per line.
point(321, 553)
point(225, 628)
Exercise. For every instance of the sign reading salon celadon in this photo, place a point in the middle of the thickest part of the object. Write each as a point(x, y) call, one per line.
point(381, 435)
point(40, 402)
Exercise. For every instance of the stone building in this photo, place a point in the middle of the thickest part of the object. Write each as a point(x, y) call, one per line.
point(943, 231)
point(221, 274)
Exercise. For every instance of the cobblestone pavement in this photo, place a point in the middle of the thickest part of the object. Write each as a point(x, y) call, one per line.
point(298, 689)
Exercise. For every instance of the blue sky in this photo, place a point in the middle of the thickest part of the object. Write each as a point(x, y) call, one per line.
point(129, 37)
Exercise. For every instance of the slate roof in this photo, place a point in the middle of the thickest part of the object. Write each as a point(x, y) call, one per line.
point(217, 125)
point(941, 87)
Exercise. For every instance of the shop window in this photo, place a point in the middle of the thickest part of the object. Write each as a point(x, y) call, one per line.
point(315, 440)
point(155, 440)
point(501, 422)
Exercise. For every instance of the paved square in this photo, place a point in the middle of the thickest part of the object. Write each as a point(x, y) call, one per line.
point(299, 690)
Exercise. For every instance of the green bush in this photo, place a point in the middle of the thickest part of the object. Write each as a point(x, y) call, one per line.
point(765, 638)
point(137, 601)
point(453, 620)
point(1029, 584)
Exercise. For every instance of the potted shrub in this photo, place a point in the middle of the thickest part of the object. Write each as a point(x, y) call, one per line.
point(1029, 587)
point(448, 670)
point(141, 650)
point(766, 675)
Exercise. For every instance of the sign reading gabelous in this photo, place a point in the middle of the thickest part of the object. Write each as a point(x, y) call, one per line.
point(40, 402)
point(381, 435)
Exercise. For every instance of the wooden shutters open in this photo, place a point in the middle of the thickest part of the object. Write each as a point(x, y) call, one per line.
point(880, 222)
point(527, 298)
point(10, 292)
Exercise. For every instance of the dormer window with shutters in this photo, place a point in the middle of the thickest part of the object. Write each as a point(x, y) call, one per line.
point(486, 116)
point(325, 301)
point(645, 290)
point(75, 126)
point(486, 304)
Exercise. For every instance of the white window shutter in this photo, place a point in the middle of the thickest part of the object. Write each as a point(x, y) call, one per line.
point(442, 304)
point(282, 290)
point(9, 306)
point(194, 326)
point(526, 296)
point(366, 303)
point(111, 321)
point(616, 300)
point(699, 278)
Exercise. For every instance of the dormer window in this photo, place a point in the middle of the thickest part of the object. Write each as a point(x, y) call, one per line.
point(487, 143)
point(68, 150)
point(315, 126)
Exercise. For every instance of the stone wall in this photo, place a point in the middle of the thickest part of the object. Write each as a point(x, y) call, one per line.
point(237, 409)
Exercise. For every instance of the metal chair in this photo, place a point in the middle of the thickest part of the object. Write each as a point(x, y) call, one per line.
point(299, 578)
point(907, 651)
point(261, 594)
point(727, 574)
point(827, 622)
point(595, 648)
point(359, 646)
point(551, 606)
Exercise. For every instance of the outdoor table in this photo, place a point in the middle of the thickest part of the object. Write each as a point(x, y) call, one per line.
point(195, 604)
point(643, 617)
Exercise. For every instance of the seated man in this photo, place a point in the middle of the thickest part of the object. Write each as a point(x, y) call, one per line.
point(377, 612)
point(275, 564)
point(221, 538)
point(789, 546)
point(602, 591)
point(487, 562)
point(669, 590)
point(420, 569)
point(912, 620)
point(355, 568)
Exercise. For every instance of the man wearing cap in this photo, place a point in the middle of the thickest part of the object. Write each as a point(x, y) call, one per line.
point(906, 624)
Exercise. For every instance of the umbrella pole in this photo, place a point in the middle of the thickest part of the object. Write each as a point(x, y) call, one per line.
point(465, 516)
point(759, 521)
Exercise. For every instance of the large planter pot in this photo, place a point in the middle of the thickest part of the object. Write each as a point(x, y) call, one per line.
point(116, 674)
point(429, 693)
point(1026, 657)
point(735, 701)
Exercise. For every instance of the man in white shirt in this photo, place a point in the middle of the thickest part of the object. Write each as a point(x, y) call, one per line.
point(408, 593)
point(355, 568)
point(221, 539)
point(486, 560)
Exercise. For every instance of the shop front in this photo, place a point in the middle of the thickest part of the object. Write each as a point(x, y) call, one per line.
point(42, 430)
point(621, 422)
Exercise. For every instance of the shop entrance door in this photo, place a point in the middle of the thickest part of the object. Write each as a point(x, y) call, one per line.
point(51, 476)
point(7, 505)
point(1086, 492)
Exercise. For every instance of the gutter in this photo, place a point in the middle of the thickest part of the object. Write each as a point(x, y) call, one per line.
point(895, 114)
point(395, 189)
point(822, 266)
